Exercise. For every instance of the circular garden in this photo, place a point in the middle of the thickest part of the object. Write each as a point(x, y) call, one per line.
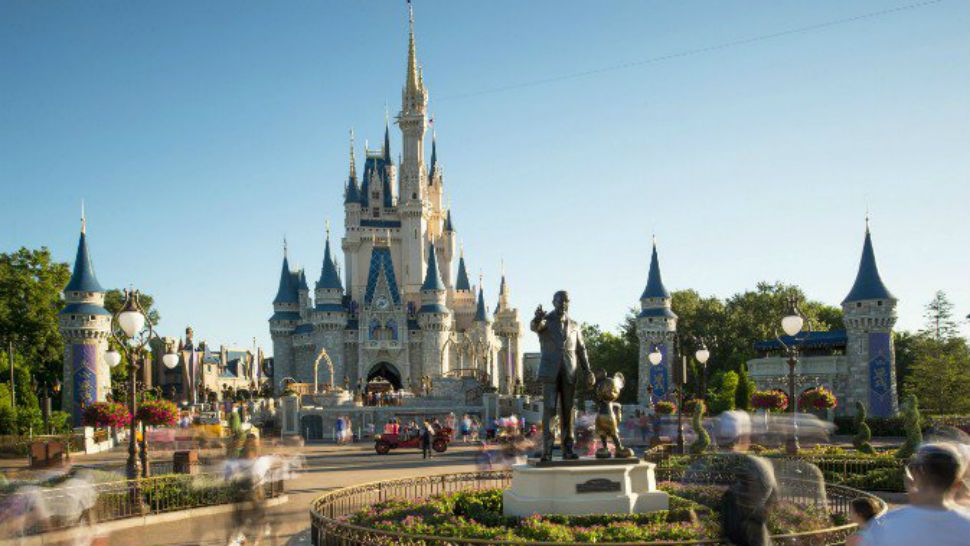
point(467, 509)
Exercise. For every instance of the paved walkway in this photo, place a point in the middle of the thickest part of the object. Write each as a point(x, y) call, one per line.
point(327, 467)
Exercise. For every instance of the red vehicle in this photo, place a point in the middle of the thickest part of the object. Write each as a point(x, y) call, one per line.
point(384, 443)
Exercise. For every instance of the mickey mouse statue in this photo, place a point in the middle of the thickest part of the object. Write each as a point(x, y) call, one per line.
point(608, 416)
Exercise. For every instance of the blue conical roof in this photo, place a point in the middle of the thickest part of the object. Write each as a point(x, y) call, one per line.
point(481, 315)
point(434, 159)
point(352, 195)
point(329, 278)
point(868, 284)
point(655, 285)
point(449, 226)
point(462, 282)
point(83, 278)
point(287, 291)
point(432, 278)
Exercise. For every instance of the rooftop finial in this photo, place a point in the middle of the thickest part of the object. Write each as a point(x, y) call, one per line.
point(284, 246)
point(353, 159)
point(326, 225)
point(84, 222)
point(412, 78)
point(867, 218)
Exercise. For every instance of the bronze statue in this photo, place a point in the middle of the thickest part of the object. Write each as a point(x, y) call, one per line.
point(563, 351)
point(609, 414)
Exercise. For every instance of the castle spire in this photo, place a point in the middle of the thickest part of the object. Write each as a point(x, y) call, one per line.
point(329, 278)
point(412, 79)
point(353, 158)
point(481, 315)
point(868, 283)
point(387, 140)
point(287, 290)
point(352, 192)
point(432, 278)
point(83, 278)
point(655, 286)
point(449, 226)
point(462, 282)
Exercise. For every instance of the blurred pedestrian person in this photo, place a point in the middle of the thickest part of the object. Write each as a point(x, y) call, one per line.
point(932, 517)
point(861, 511)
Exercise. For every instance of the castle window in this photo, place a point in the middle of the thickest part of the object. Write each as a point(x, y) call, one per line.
point(375, 195)
point(858, 304)
point(414, 196)
point(879, 302)
point(376, 212)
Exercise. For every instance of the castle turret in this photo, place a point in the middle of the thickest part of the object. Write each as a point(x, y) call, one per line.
point(462, 298)
point(446, 248)
point(434, 317)
point(869, 314)
point(656, 324)
point(508, 330)
point(436, 186)
point(85, 325)
point(286, 316)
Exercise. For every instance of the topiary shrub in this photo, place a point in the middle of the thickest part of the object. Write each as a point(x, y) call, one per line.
point(911, 422)
point(861, 439)
point(703, 440)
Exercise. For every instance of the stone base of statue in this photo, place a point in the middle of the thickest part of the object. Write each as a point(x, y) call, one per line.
point(582, 487)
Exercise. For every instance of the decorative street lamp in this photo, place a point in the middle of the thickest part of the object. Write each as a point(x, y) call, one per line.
point(702, 355)
point(133, 331)
point(47, 391)
point(792, 324)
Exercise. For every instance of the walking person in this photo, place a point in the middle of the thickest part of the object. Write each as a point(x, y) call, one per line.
point(932, 517)
point(426, 436)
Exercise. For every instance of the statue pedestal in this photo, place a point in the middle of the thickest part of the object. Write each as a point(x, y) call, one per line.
point(585, 486)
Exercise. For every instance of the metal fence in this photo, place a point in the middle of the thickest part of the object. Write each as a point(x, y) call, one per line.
point(42, 510)
point(329, 527)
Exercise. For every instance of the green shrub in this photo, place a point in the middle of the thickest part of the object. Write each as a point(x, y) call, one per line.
point(724, 397)
point(861, 439)
point(911, 420)
point(703, 440)
point(880, 479)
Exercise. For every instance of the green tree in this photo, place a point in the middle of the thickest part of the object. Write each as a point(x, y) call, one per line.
point(939, 317)
point(613, 353)
point(940, 375)
point(30, 298)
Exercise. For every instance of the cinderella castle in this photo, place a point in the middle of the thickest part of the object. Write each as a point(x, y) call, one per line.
point(399, 312)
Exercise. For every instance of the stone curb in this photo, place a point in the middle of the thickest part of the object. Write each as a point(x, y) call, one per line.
point(101, 529)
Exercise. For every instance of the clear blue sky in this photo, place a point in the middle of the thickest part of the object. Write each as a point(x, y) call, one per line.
point(198, 133)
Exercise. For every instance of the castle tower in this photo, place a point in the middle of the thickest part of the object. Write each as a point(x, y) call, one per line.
point(483, 344)
point(330, 315)
point(414, 208)
point(462, 298)
point(869, 313)
point(508, 330)
point(655, 325)
point(436, 191)
point(434, 318)
point(286, 315)
point(85, 325)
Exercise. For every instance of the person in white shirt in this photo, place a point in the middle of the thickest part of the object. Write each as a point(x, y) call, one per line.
point(932, 518)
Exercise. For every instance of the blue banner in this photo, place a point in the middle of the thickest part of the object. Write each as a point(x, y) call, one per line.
point(658, 373)
point(880, 375)
point(85, 377)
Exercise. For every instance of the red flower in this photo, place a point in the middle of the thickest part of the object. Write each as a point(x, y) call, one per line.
point(106, 414)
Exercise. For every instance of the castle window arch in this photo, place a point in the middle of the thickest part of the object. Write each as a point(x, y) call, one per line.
point(373, 329)
point(391, 326)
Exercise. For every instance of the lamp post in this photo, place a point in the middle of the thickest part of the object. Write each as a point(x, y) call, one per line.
point(656, 357)
point(133, 331)
point(46, 391)
point(792, 324)
point(702, 355)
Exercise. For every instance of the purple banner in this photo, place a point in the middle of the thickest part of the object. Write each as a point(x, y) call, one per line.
point(85, 378)
point(880, 375)
point(658, 373)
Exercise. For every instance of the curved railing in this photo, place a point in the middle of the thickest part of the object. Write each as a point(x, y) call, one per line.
point(328, 529)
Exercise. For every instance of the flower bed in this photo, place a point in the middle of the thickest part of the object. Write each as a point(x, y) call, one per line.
point(478, 515)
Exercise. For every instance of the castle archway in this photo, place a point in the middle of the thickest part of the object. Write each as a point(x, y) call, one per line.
point(387, 372)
